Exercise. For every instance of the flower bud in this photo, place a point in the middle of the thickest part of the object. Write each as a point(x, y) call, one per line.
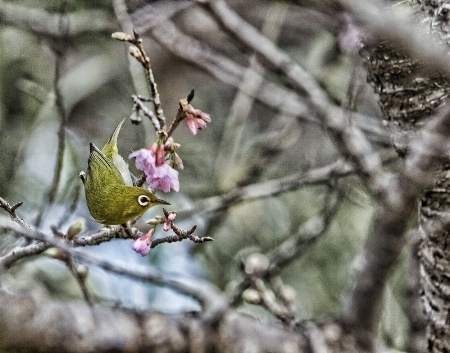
point(122, 36)
point(178, 161)
point(256, 264)
point(251, 296)
point(172, 216)
point(55, 253)
point(82, 272)
point(76, 228)
point(155, 221)
point(134, 51)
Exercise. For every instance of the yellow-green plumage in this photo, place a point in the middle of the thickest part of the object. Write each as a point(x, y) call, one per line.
point(110, 198)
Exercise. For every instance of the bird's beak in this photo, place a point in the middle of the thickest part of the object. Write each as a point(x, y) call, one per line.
point(162, 202)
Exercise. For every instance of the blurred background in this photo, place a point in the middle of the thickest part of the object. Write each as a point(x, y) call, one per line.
point(63, 75)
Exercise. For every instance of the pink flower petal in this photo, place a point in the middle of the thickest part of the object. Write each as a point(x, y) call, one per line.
point(205, 117)
point(142, 246)
point(191, 123)
point(201, 124)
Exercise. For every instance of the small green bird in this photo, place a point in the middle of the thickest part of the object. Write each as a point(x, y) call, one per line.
point(110, 196)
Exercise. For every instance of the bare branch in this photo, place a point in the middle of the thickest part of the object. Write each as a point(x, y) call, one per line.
point(19, 253)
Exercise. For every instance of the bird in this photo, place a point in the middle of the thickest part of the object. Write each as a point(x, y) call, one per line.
point(110, 195)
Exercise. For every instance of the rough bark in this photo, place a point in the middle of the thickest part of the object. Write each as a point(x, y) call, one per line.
point(410, 94)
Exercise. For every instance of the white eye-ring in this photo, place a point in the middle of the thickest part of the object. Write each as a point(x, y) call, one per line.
point(143, 200)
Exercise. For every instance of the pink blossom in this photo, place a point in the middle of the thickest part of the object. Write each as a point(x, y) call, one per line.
point(168, 222)
point(159, 174)
point(144, 159)
point(143, 244)
point(164, 177)
point(196, 119)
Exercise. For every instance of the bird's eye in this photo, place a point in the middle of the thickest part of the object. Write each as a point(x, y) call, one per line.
point(143, 200)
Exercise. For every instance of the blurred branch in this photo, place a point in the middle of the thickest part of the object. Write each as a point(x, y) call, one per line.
point(105, 330)
point(350, 140)
point(242, 105)
point(42, 22)
point(308, 234)
point(226, 70)
point(320, 175)
point(80, 278)
point(396, 202)
point(413, 307)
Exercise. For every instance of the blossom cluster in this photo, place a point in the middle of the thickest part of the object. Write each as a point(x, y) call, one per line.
point(196, 119)
point(159, 173)
point(158, 164)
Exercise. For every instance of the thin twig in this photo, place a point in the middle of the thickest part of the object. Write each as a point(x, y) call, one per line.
point(144, 59)
point(139, 105)
point(180, 114)
point(72, 266)
point(139, 82)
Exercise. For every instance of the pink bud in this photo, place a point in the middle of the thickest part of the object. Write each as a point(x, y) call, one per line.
point(143, 244)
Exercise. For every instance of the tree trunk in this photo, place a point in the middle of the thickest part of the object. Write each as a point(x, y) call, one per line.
point(409, 95)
